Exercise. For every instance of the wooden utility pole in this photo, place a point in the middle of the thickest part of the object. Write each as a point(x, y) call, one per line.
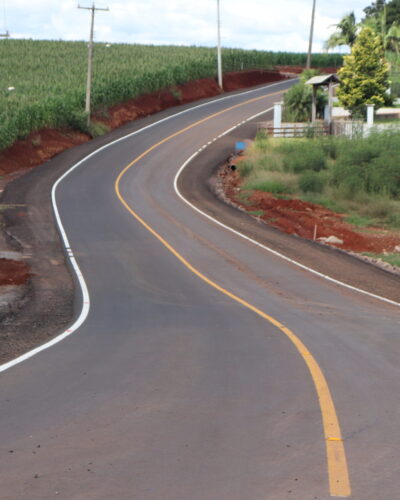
point(93, 9)
point(219, 55)
point(308, 65)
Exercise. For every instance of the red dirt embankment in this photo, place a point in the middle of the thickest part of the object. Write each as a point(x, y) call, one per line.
point(298, 217)
point(44, 144)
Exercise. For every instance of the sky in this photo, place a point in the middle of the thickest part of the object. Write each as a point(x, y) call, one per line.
point(278, 25)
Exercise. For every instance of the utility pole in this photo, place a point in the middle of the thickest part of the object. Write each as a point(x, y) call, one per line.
point(219, 55)
point(93, 9)
point(308, 65)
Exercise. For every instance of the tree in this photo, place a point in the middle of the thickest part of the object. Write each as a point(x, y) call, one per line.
point(297, 101)
point(393, 38)
point(375, 9)
point(346, 32)
point(380, 11)
point(364, 76)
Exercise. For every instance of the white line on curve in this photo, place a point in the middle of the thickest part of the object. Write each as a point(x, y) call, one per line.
point(255, 242)
point(81, 280)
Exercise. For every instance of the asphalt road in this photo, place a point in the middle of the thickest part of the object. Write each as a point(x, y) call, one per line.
point(210, 382)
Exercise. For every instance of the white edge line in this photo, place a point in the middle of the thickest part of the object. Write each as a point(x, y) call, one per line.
point(81, 280)
point(255, 242)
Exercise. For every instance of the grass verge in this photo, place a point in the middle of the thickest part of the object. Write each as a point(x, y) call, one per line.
point(356, 177)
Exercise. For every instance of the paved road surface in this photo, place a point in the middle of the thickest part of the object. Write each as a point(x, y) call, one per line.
point(172, 390)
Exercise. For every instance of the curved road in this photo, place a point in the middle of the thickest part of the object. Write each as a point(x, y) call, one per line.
point(207, 368)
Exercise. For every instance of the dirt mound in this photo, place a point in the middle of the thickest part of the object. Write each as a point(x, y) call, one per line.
point(307, 220)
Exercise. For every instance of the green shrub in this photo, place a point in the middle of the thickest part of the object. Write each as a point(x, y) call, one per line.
point(307, 74)
point(270, 186)
point(311, 181)
point(297, 103)
point(359, 220)
point(330, 146)
point(302, 155)
point(245, 168)
point(97, 129)
point(394, 219)
point(370, 165)
point(78, 120)
point(261, 141)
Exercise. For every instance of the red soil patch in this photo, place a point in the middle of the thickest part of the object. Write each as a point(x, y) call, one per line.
point(13, 272)
point(301, 218)
point(37, 148)
point(241, 80)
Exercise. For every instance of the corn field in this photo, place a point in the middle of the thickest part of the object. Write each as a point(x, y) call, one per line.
point(42, 83)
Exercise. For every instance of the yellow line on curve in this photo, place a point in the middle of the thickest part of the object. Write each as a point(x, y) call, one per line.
point(339, 482)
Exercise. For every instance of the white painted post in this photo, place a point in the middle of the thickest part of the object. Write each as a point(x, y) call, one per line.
point(327, 113)
point(370, 115)
point(278, 115)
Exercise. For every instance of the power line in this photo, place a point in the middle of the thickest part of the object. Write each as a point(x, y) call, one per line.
point(93, 10)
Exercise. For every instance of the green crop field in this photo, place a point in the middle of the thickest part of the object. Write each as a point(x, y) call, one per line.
point(42, 83)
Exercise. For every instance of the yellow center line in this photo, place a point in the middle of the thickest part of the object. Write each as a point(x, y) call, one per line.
point(339, 482)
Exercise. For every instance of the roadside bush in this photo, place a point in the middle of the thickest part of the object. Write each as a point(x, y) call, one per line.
point(330, 146)
point(78, 120)
point(96, 129)
point(271, 186)
point(302, 155)
point(245, 168)
point(297, 103)
point(311, 181)
point(370, 165)
point(394, 219)
point(261, 141)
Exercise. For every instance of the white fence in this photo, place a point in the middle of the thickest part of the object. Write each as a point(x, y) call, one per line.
point(356, 128)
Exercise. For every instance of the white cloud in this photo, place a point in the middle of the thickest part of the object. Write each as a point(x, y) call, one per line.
point(260, 24)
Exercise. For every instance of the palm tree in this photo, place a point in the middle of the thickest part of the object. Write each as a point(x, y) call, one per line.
point(346, 32)
point(392, 38)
